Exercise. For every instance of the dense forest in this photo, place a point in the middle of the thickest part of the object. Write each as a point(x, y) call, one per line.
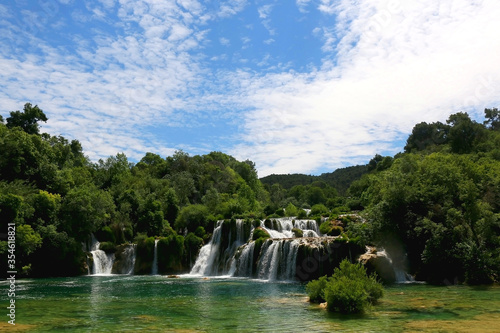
point(340, 179)
point(435, 207)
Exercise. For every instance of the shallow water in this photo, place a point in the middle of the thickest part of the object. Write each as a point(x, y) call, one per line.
point(156, 303)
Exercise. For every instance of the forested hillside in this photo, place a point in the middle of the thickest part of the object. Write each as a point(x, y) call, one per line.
point(57, 197)
point(339, 179)
point(435, 207)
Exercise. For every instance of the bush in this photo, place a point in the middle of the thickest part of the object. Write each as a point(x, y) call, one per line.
point(346, 295)
point(330, 229)
point(315, 289)
point(297, 232)
point(319, 209)
point(348, 290)
point(335, 231)
point(302, 214)
point(107, 247)
point(260, 233)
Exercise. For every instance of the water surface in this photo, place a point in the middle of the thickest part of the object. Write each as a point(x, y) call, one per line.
point(156, 303)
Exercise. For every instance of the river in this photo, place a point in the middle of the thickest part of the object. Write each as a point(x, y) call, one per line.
point(121, 303)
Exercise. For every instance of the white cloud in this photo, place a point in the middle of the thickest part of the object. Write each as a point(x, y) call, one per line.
point(302, 5)
point(224, 41)
point(265, 11)
point(230, 7)
point(386, 66)
point(420, 63)
point(328, 6)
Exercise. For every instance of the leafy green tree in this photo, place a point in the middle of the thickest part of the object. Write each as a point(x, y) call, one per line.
point(151, 219)
point(28, 119)
point(492, 118)
point(46, 208)
point(85, 210)
point(463, 133)
point(113, 170)
point(426, 135)
point(191, 217)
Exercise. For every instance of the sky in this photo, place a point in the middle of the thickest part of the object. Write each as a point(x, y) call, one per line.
point(296, 86)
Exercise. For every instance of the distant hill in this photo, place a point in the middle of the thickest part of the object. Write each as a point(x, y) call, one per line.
point(340, 179)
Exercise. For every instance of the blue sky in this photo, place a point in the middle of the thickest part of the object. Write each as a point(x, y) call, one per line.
point(296, 86)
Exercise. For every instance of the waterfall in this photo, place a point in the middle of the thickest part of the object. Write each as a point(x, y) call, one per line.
point(103, 262)
point(154, 267)
point(400, 274)
point(129, 255)
point(204, 264)
point(230, 251)
point(278, 260)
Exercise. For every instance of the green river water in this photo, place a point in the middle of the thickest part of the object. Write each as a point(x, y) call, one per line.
point(159, 304)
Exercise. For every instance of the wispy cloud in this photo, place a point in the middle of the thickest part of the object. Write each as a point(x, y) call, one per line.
point(393, 67)
point(144, 69)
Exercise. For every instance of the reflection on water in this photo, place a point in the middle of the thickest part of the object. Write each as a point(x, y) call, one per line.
point(156, 303)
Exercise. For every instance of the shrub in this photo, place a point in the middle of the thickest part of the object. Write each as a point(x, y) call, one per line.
point(107, 247)
point(348, 290)
point(345, 295)
point(297, 232)
point(280, 212)
point(335, 231)
point(302, 214)
point(324, 228)
point(260, 233)
point(315, 289)
point(330, 229)
point(319, 209)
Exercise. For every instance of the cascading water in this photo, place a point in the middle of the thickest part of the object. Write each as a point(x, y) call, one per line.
point(278, 260)
point(400, 274)
point(231, 251)
point(103, 262)
point(154, 267)
point(129, 255)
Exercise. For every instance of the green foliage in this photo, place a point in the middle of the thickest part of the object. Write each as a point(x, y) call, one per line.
point(105, 235)
point(316, 288)
point(259, 233)
point(28, 119)
point(319, 209)
point(193, 244)
point(348, 290)
point(27, 239)
point(298, 232)
point(492, 118)
point(302, 214)
point(170, 253)
point(191, 217)
point(86, 209)
point(109, 247)
point(436, 206)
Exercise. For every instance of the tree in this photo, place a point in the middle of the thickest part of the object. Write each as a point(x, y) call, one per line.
point(492, 118)
point(463, 132)
point(28, 119)
point(425, 135)
point(86, 209)
point(191, 217)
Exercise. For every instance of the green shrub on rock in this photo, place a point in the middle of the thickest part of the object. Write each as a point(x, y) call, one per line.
point(107, 247)
point(298, 232)
point(260, 233)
